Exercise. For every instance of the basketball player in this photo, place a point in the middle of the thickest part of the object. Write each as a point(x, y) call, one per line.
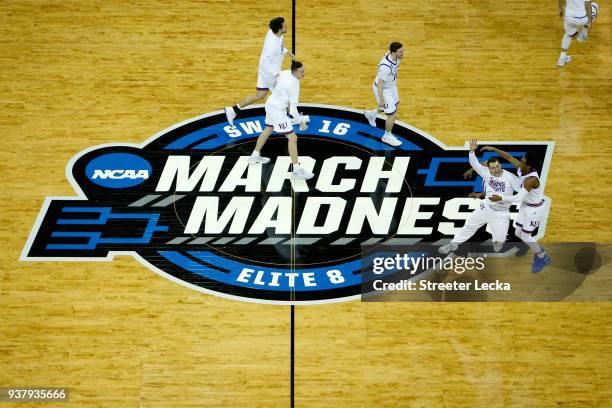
point(530, 196)
point(579, 17)
point(496, 215)
point(385, 91)
point(270, 63)
point(285, 96)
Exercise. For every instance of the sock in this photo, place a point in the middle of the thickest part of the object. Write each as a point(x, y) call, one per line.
point(534, 247)
point(295, 166)
point(565, 42)
point(256, 153)
point(541, 254)
point(563, 55)
point(387, 133)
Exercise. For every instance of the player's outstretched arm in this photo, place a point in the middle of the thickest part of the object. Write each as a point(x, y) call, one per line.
point(512, 160)
point(470, 172)
point(483, 171)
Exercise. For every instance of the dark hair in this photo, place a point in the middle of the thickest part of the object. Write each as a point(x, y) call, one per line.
point(395, 46)
point(492, 160)
point(533, 160)
point(295, 65)
point(276, 24)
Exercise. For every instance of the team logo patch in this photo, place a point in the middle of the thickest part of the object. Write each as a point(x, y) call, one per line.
point(188, 205)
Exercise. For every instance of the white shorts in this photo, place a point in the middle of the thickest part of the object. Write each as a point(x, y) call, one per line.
point(391, 99)
point(529, 217)
point(278, 120)
point(265, 81)
point(573, 24)
point(496, 220)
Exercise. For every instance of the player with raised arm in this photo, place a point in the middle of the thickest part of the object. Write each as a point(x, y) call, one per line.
point(285, 97)
point(270, 64)
point(579, 16)
point(496, 215)
point(385, 91)
point(531, 210)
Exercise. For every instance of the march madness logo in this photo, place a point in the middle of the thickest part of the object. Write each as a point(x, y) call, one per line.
point(188, 205)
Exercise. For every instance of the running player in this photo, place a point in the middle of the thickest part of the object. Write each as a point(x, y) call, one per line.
point(270, 63)
point(285, 97)
point(531, 198)
point(385, 91)
point(496, 215)
point(579, 17)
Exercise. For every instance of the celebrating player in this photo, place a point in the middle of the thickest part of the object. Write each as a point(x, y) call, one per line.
point(285, 96)
point(385, 91)
point(530, 196)
point(496, 215)
point(270, 64)
point(579, 17)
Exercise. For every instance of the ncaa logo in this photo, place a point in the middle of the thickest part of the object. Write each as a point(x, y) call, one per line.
point(189, 206)
point(118, 170)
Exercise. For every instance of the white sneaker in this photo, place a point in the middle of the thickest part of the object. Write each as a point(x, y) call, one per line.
point(301, 173)
point(562, 61)
point(259, 159)
point(230, 114)
point(497, 246)
point(371, 116)
point(582, 35)
point(391, 140)
point(446, 249)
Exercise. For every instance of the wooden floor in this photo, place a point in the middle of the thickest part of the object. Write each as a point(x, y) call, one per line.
point(79, 74)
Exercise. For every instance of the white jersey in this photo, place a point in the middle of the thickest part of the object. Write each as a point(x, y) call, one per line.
point(504, 185)
point(575, 8)
point(285, 94)
point(387, 71)
point(535, 195)
point(271, 59)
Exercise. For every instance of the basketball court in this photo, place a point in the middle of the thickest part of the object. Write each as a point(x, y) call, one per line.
point(77, 75)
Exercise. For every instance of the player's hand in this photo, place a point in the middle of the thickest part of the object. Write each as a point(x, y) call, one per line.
point(476, 195)
point(303, 126)
point(473, 145)
point(487, 149)
point(495, 198)
point(468, 174)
